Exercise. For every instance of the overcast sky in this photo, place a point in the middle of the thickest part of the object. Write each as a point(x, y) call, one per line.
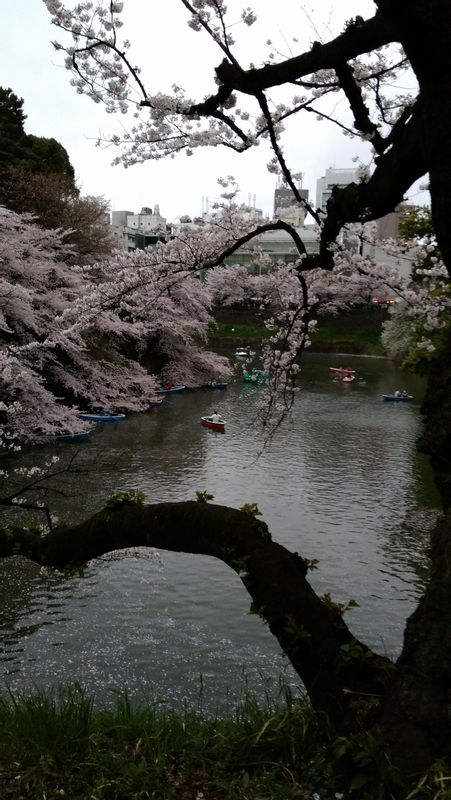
point(169, 52)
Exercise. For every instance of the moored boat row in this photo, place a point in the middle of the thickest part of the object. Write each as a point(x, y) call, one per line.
point(95, 419)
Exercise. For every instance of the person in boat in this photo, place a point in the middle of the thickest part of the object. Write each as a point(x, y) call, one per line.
point(169, 385)
point(404, 393)
point(397, 393)
point(212, 383)
point(215, 417)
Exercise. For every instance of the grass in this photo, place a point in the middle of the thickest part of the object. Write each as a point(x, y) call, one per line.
point(61, 746)
point(229, 330)
point(53, 747)
point(354, 332)
point(365, 341)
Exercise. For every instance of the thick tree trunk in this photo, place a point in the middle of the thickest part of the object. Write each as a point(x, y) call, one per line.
point(423, 27)
point(436, 410)
point(333, 665)
point(416, 714)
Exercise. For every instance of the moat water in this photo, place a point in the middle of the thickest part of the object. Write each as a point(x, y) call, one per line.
point(342, 483)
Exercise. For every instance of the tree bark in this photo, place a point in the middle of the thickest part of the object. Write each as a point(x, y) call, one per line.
point(423, 27)
point(334, 666)
point(416, 713)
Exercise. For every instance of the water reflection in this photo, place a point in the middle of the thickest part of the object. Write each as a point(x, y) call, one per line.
point(342, 484)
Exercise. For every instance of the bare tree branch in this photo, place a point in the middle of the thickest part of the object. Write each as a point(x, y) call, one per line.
point(311, 631)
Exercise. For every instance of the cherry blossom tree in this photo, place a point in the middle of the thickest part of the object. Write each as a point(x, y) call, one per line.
point(65, 330)
point(407, 137)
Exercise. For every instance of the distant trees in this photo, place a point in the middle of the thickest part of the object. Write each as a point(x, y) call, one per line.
point(55, 202)
point(36, 176)
point(12, 134)
point(416, 225)
point(34, 153)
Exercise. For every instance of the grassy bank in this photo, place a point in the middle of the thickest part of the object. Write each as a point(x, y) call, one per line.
point(63, 747)
point(354, 332)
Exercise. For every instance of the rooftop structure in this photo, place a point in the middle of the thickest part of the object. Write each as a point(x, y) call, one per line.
point(137, 231)
point(333, 177)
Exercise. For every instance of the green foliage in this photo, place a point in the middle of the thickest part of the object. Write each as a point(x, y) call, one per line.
point(252, 509)
point(240, 564)
point(42, 726)
point(373, 777)
point(434, 785)
point(416, 225)
point(35, 153)
point(119, 499)
point(398, 333)
point(12, 134)
point(353, 651)
point(48, 156)
point(295, 630)
point(400, 337)
point(354, 22)
point(418, 359)
point(237, 330)
point(62, 746)
point(311, 563)
point(356, 331)
point(259, 610)
point(341, 608)
point(204, 497)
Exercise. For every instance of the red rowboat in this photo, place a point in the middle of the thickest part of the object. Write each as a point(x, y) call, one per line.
point(342, 370)
point(215, 426)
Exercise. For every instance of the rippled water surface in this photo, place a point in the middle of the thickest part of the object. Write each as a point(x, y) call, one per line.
point(342, 483)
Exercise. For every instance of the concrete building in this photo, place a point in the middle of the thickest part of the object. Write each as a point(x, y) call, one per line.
point(333, 177)
point(283, 199)
point(137, 231)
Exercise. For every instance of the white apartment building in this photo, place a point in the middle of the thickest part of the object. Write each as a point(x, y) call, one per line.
point(333, 177)
point(136, 231)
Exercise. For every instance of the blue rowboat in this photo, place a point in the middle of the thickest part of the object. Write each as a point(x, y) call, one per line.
point(395, 398)
point(83, 436)
point(155, 402)
point(102, 417)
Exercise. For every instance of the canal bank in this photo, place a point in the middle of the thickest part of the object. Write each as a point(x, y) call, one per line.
point(356, 331)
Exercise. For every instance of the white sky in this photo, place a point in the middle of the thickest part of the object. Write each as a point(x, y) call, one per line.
point(169, 52)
